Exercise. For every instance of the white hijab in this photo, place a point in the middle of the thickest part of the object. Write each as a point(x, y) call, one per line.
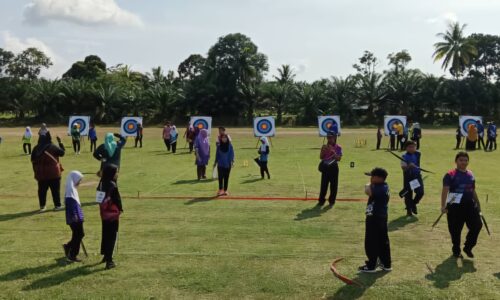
point(71, 192)
point(264, 144)
point(27, 133)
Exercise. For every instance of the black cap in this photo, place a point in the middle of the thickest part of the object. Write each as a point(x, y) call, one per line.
point(331, 133)
point(379, 172)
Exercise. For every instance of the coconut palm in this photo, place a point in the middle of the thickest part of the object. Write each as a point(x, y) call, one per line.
point(456, 50)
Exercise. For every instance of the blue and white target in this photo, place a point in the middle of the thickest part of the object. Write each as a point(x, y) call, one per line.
point(82, 122)
point(200, 124)
point(264, 126)
point(130, 126)
point(466, 121)
point(330, 124)
point(390, 121)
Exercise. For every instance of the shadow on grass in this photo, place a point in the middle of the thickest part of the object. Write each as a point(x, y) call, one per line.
point(22, 273)
point(253, 180)
point(312, 212)
point(401, 222)
point(193, 181)
point(58, 278)
point(449, 270)
point(89, 204)
point(8, 217)
point(354, 291)
point(497, 275)
point(200, 199)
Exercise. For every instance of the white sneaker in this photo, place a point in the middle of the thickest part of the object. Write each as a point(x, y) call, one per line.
point(42, 209)
point(58, 208)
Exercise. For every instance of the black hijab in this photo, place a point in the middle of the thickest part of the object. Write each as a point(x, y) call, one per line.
point(108, 177)
point(44, 142)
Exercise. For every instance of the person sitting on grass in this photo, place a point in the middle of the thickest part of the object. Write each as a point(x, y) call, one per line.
point(74, 216)
point(377, 246)
point(224, 160)
point(109, 153)
point(110, 209)
point(264, 156)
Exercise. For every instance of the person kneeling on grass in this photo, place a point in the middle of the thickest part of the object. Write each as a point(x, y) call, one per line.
point(224, 160)
point(74, 216)
point(377, 246)
point(111, 209)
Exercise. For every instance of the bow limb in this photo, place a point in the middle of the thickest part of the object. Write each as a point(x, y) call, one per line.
point(343, 278)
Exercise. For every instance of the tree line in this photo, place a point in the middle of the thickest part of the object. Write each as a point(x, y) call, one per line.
point(230, 84)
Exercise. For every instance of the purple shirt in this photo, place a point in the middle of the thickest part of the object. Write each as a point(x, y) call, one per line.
point(461, 182)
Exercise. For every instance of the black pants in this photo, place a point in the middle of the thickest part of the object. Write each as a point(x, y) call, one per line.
point(480, 140)
point(411, 202)
point(76, 238)
point(109, 233)
point(55, 187)
point(167, 143)
point(393, 142)
point(379, 140)
point(377, 244)
point(264, 169)
point(459, 141)
point(27, 148)
point(76, 146)
point(174, 146)
point(223, 177)
point(458, 215)
point(418, 143)
point(470, 145)
point(201, 172)
point(138, 140)
point(191, 147)
point(93, 145)
point(400, 142)
point(329, 178)
point(492, 142)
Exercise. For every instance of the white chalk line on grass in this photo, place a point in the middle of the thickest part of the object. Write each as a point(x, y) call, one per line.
point(169, 182)
point(300, 172)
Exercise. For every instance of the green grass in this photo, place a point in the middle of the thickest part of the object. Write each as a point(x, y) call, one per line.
point(220, 249)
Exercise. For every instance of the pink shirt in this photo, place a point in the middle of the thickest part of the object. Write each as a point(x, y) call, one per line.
point(166, 132)
point(330, 152)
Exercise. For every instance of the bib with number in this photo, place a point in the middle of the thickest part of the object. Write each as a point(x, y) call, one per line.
point(414, 184)
point(454, 198)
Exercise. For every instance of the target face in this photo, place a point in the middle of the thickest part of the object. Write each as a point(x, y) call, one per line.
point(82, 122)
point(391, 121)
point(130, 125)
point(264, 126)
point(466, 121)
point(328, 123)
point(202, 123)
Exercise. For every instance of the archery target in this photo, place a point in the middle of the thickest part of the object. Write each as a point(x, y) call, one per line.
point(465, 121)
point(129, 126)
point(83, 123)
point(390, 121)
point(264, 126)
point(328, 123)
point(202, 123)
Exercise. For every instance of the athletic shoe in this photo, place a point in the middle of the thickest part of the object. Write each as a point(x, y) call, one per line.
point(414, 209)
point(43, 209)
point(458, 255)
point(225, 193)
point(110, 265)
point(387, 269)
point(409, 214)
point(66, 250)
point(468, 252)
point(74, 259)
point(365, 269)
point(58, 208)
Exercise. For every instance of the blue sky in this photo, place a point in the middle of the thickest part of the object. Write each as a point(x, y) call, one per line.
point(319, 38)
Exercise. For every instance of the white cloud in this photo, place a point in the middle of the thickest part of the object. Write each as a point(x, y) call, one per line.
point(17, 45)
point(82, 12)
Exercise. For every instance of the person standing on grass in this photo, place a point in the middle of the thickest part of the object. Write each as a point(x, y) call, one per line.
point(173, 138)
point(480, 135)
point(110, 210)
point(27, 136)
point(222, 131)
point(379, 137)
point(461, 204)
point(92, 138)
point(330, 155)
point(75, 137)
point(202, 152)
point(416, 134)
point(139, 135)
point(400, 130)
point(377, 245)
point(224, 161)
point(470, 144)
point(74, 216)
point(492, 136)
point(392, 135)
point(190, 136)
point(264, 157)
point(166, 135)
point(48, 169)
point(109, 153)
point(458, 136)
point(412, 178)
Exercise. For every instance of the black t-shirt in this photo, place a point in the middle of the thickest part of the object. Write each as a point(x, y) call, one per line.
point(377, 203)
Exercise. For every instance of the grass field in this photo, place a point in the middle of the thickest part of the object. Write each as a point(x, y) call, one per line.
point(171, 247)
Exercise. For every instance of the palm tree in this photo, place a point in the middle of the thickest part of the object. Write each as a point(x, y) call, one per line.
point(371, 92)
point(402, 88)
point(456, 50)
point(283, 91)
point(342, 92)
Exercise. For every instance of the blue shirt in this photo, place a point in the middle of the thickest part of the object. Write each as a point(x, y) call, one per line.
point(92, 134)
point(480, 129)
point(414, 159)
point(492, 131)
point(224, 159)
point(264, 156)
point(377, 203)
point(462, 183)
